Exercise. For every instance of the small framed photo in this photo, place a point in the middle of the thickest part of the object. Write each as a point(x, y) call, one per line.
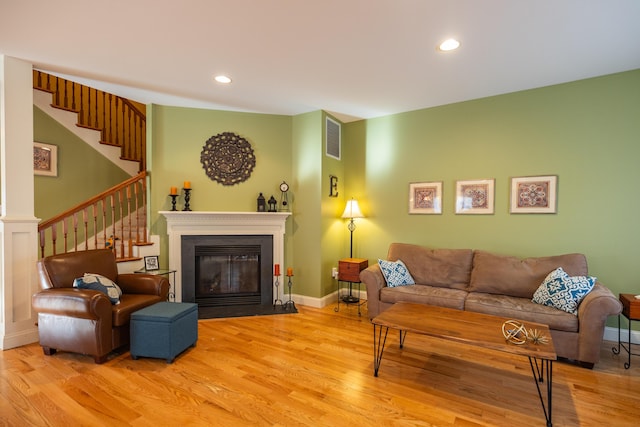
point(45, 159)
point(534, 194)
point(151, 263)
point(425, 197)
point(475, 197)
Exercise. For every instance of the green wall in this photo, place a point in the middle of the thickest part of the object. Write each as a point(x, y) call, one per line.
point(82, 171)
point(178, 136)
point(585, 132)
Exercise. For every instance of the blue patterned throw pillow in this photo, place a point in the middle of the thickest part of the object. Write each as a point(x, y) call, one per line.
point(562, 291)
point(100, 283)
point(395, 273)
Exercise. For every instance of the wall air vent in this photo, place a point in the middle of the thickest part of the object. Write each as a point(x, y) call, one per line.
point(333, 138)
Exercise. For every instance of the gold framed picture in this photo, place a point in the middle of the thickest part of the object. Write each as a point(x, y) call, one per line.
point(45, 159)
point(475, 197)
point(534, 194)
point(425, 197)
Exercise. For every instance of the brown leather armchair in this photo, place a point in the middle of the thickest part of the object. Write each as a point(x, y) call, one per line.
point(82, 320)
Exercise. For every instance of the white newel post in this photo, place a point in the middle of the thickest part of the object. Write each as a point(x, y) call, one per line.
point(196, 223)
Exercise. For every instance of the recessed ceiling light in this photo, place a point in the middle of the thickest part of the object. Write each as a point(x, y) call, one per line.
point(449, 44)
point(222, 79)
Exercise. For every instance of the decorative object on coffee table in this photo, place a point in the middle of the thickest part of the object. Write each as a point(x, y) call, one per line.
point(515, 332)
point(537, 337)
point(228, 158)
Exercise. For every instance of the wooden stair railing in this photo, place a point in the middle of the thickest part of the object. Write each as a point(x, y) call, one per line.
point(122, 122)
point(107, 217)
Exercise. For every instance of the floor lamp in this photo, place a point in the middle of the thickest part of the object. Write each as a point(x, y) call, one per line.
point(351, 211)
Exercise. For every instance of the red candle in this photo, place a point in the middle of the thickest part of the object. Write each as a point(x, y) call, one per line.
point(174, 191)
point(289, 271)
point(276, 270)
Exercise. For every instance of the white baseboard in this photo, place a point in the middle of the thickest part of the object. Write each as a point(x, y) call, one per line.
point(325, 300)
point(611, 334)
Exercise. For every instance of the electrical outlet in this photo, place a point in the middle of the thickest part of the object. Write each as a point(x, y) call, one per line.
point(334, 272)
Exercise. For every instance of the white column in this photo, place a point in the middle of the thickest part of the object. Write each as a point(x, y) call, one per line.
point(18, 226)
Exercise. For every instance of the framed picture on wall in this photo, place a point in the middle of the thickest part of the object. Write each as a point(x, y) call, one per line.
point(45, 159)
point(425, 197)
point(534, 194)
point(475, 197)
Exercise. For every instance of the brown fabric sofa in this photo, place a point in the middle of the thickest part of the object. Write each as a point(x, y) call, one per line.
point(82, 320)
point(484, 282)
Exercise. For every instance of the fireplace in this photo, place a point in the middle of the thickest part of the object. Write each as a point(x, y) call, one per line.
point(194, 225)
point(228, 275)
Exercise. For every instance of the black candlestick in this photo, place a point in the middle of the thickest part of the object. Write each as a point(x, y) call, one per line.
point(173, 201)
point(278, 301)
point(187, 197)
point(289, 303)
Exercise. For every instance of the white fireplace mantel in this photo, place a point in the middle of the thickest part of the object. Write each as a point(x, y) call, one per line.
point(199, 223)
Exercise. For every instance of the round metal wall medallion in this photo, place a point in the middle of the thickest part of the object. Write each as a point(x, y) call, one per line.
point(228, 158)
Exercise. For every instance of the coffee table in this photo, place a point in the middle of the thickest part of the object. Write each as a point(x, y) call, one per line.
point(480, 330)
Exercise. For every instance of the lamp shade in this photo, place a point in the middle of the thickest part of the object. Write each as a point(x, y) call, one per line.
point(352, 210)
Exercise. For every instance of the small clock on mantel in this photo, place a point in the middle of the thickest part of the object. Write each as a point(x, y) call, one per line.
point(284, 198)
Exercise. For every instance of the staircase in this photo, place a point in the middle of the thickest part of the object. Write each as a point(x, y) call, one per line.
point(117, 215)
point(121, 122)
point(115, 218)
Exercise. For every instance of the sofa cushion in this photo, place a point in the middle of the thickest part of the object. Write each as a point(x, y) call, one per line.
point(424, 294)
point(395, 273)
point(99, 283)
point(564, 292)
point(507, 275)
point(449, 268)
point(522, 309)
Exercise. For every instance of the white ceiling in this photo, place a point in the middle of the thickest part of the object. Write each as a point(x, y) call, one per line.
point(355, 58)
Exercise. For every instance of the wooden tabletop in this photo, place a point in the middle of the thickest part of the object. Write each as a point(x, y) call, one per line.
point(481, 330)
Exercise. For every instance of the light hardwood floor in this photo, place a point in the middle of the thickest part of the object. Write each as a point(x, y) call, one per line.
point(314, 368)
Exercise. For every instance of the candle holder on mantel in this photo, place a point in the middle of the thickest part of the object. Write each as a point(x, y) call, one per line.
point(174, 197)
point(289, 305)
point(187, 197)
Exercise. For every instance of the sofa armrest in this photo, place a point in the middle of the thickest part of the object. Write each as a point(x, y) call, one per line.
point(374, 281)
point(150, 284)
point(593, 312)
point(73, 302)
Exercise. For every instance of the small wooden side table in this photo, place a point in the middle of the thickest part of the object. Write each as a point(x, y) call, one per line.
point(630, 310)
point(349, 271)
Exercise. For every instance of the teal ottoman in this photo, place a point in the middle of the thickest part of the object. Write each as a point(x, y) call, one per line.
point(164, 330)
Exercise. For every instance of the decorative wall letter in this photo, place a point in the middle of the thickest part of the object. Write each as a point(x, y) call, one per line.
point(333, 186)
